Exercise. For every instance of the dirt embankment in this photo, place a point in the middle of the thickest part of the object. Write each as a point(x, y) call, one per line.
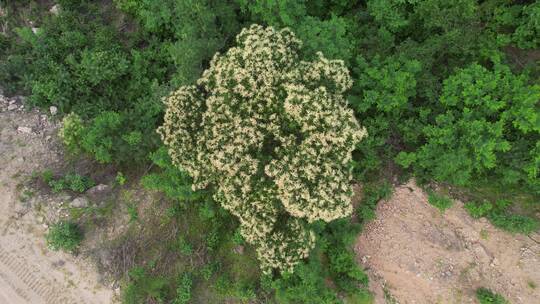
point(29, 272)
point(415, 254)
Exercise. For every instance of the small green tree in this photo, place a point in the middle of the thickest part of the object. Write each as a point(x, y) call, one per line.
point(486, 296)
point(273, 135)
point(64, 236)
point(487, 125)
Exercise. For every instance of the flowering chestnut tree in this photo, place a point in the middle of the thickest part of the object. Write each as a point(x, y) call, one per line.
point(273, 136)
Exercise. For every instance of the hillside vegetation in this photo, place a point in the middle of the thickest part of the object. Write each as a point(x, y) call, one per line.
point(254, 121)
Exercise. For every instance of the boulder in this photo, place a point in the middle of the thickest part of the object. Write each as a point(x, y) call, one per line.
point(79, 202)
point(26, 130)
point(98, 190)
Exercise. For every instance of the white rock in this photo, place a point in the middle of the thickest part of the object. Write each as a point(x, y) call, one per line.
point(97, 189)
point(79, 202)
point(35, 30)
point(55, 9)
point(26, 130)
point(53, 110)
point(12, 107)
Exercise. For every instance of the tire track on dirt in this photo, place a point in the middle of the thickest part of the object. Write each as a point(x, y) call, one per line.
point(40, 286)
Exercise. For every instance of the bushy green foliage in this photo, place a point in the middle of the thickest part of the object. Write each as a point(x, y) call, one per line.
point(133, 213)
point(372, 194)
point(486, 296)
point(305, 285)
point(191, 31)
point(499, 215)
point(103, 138)
point(64, 236)
point(143, 287)
point(80, 63)
point(332, 259)
point(228, 288)
point(183, 291)
point(383, 94)
point(120, 179)
point(172, 181)
point(339, 238)
point(478, 210)
point(487, 125)
point(514, 23)
point(71, 181)
point(440, 201)
point(527, 33)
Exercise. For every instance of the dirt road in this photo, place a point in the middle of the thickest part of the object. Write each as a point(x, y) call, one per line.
point(29, 272)
point(415, 254)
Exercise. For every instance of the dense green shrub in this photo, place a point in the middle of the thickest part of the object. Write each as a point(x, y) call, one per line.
point(183, 291)
point(71, 181)
point(319, 30)
point(305, 285)
point(487, 125)
point(334, 259)
point(372, 194)
point(477, 210)
point(382, 94)
point(514, 23)
point(190, 32)
point(440, 201)
point(64, 236)
point(499, 215)
point(228, 288)
point(486, 296)
point(338, 239)
point(106, 138)
point(527, 33)
point(143, 287)
point(175, 183)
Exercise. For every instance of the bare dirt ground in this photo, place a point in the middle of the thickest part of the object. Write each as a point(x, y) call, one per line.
point(415, 254)
point(29, 272)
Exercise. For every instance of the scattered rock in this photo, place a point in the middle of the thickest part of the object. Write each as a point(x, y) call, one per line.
point(21, 209)
point(26, 130)
point(481, 254)
point(12, 107)
point(53, 109)
point(79, 202)
point(97, 189)
point(239, 249)
point(59, 263)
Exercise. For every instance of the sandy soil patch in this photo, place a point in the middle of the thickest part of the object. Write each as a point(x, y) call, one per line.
point(29, 272)
point(418, 255)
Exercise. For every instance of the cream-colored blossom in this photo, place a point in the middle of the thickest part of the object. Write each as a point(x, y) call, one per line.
point(273, 135)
